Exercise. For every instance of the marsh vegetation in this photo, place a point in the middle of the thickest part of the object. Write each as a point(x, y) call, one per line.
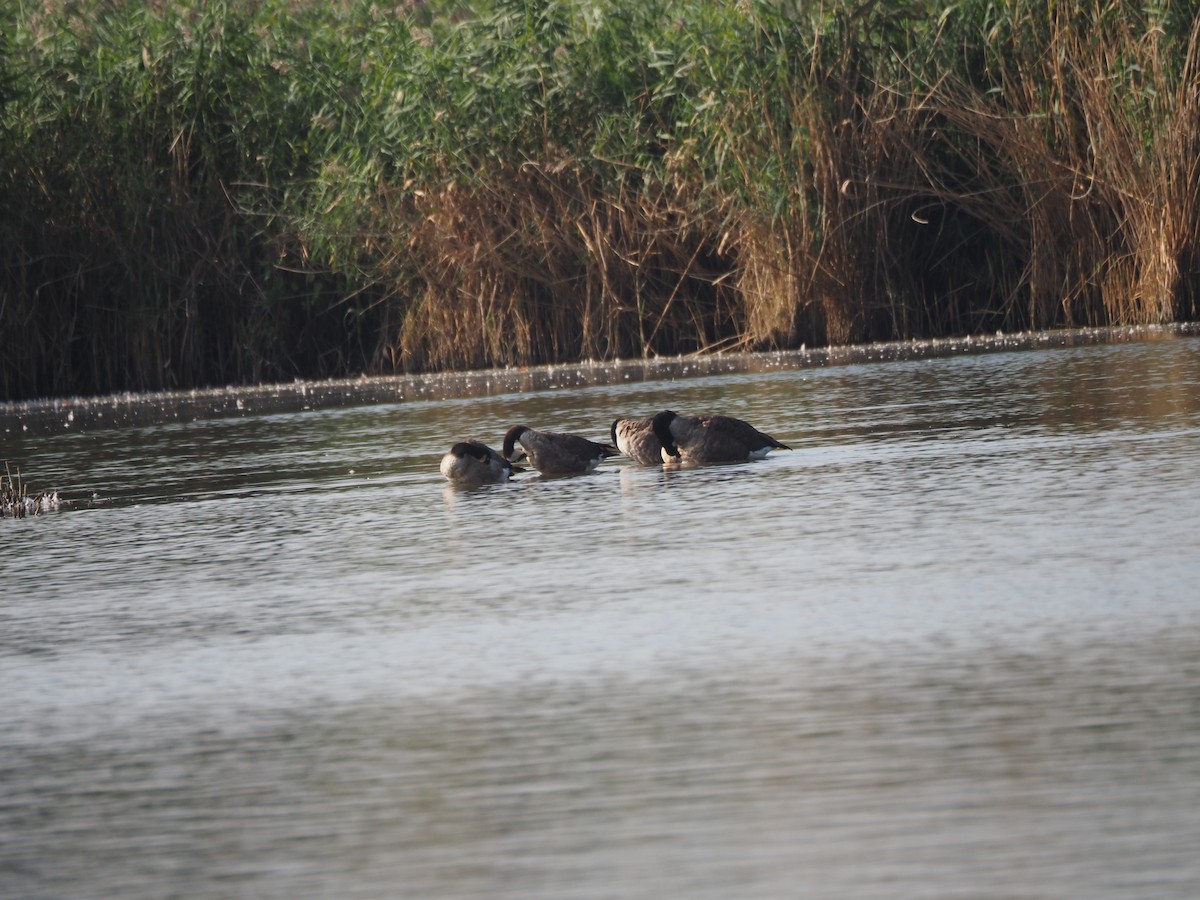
point(198, 193)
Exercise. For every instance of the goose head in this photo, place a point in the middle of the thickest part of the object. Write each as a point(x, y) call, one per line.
point(510, 440)
point(470, 448)
point(661, 424)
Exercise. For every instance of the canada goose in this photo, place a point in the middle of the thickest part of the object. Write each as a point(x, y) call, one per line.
point(637, 440)
point(552, 453)
point(711, 438)
point(470, 463)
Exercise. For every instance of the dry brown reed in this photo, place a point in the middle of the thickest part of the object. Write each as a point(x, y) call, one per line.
point(1083, 168)
point(17, 501)
point(546, 265)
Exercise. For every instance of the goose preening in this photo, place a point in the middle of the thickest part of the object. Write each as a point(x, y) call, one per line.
point(637, 440)
point(471, 463)
point(708, 439)
point(552, 453)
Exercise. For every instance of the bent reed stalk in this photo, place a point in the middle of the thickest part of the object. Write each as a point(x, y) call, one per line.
point(202, 193)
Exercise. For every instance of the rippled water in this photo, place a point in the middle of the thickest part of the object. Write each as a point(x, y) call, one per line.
point(945, 647)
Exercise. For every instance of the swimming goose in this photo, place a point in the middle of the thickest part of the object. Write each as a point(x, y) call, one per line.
point(637, 440)
point(470, 463)
point(711, 438)
point(552, 453)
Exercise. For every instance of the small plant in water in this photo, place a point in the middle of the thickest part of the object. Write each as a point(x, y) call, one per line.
point(17, 501)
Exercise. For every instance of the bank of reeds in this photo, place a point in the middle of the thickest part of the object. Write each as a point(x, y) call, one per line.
point(199, 193)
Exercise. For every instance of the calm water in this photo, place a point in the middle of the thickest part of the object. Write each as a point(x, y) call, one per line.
point(949, 646)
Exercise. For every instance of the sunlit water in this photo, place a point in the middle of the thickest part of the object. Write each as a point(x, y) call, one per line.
point(948, 646)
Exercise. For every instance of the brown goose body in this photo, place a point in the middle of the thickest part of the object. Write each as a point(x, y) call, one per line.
point(555, 453)
point(471, 463)
point(637, 440)
point(706, 439)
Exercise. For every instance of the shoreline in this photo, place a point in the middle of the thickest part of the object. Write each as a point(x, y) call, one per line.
point(156, 407)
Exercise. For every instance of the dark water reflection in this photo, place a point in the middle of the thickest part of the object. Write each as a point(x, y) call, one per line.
point(946, 647)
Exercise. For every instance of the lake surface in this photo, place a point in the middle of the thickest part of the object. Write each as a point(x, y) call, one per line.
point(948, 646)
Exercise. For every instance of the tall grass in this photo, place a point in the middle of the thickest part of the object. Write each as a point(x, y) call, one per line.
point(195, 193)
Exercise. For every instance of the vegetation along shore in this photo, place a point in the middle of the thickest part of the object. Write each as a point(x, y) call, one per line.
point(203, 193)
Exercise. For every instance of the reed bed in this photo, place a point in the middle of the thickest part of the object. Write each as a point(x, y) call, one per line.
point(231, 192)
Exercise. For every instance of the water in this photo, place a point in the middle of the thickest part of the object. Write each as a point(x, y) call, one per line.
point(945, 647)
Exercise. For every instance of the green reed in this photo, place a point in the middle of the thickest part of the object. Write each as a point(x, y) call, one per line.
point(196, 193)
